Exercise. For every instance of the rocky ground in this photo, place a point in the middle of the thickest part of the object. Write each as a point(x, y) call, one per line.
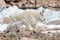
point(30, 35)
point(52, 4)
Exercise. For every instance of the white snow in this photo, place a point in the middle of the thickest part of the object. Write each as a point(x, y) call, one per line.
point(52, 26)
point(3, 27)
point(9, 11)
point(51, 15)
point(51, 31)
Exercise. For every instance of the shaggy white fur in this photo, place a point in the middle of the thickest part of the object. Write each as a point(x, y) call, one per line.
point(29, 16)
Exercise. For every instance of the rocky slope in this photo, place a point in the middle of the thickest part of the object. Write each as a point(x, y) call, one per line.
point(32, 3)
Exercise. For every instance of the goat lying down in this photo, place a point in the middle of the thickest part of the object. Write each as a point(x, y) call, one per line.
point(21, 21)
point(28, 18)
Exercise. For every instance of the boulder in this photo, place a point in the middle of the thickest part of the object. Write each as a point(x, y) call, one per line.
point(25, 38)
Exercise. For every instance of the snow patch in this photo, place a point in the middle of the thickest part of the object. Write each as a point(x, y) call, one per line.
point(3, 27)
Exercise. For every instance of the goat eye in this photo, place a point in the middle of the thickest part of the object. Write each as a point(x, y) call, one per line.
point(17, 30)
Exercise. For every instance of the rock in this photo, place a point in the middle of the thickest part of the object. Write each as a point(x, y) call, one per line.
point(56, 22)
point(39, 29)
point(39, 3)
point(2, 3)
point(25, 38)
point(54, 3)
point(27, 33)
point(19, 4)
point(9, 0)
point(49, 3)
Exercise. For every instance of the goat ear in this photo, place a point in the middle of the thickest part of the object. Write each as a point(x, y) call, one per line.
point(41, 13)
